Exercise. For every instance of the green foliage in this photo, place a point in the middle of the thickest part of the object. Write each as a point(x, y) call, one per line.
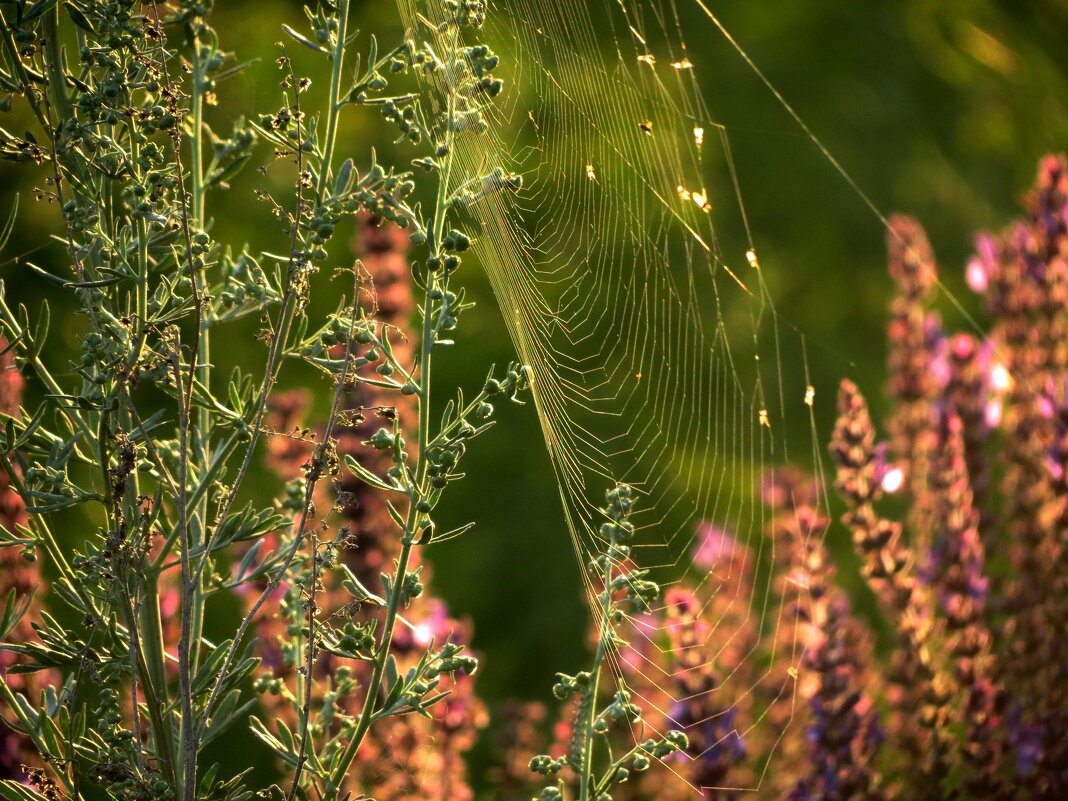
point(153, 442)
point(624, 590)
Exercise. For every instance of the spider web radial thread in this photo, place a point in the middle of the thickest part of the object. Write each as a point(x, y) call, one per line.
point(644, 337)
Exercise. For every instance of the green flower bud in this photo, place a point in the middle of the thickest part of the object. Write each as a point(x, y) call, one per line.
point(382, 439)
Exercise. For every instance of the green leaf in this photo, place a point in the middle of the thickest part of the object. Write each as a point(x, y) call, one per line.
point(38, 9)
point(448, 535)
point(209, 667)
point(14, 610)
point(355, 587)
point(393, 683)
point(103, 282)
point(372, 55)
point(207, 779)
point(234, 789)
point(14, 791)
point(259, 730)
point(227, 712)
point(9, 225)
point(285, 735)
point(53, 737)
point(79, 19)
point(345, 177)
point(234, 389)
point(148, 425)
point(446, 416)
point(367, 476)
point(41, 332)
point(305, 41)
point(70, 596)
point(245, 567)
point(397, 517)
point(247, 524)
point(31, 428)
point(224, 174)
point(50, 701)
point(26, 712)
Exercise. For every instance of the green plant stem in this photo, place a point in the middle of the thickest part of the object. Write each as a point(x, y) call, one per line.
point(585, 772)
point(206, 478)
point(202, 431)
point(152, 642)
point(314, 476)
point(381, 657)
point(338, 59)
point(185, 642)
point(275, 358)
point(608, 775)
point(56, 80)
point(141, 299)
point(196, 158)
point(407, 544)
point(426, 346)
point(280, 338)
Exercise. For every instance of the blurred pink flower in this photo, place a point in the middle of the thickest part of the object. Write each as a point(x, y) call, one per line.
point(713, 546)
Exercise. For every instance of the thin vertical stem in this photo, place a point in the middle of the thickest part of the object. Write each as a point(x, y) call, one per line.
point(437, 226)
point(338, 59)
point(590, 708)
point(185, 645)
point(202, 432)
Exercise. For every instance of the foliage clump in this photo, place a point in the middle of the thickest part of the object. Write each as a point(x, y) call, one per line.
point(151, 441)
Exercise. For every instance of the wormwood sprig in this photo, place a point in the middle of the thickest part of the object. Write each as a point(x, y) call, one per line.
point(151, 443)
point(624, 590)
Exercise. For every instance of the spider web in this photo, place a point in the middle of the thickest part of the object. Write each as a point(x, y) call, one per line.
point(655, 348)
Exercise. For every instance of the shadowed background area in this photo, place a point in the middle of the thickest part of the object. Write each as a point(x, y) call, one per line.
point(939, 110)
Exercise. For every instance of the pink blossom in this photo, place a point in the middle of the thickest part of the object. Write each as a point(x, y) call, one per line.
point(992, 412)
point(714, 545)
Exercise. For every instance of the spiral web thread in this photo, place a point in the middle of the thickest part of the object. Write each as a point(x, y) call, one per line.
point(656, 355)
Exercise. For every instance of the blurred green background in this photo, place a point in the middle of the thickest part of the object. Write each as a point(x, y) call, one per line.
point(936, 108)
